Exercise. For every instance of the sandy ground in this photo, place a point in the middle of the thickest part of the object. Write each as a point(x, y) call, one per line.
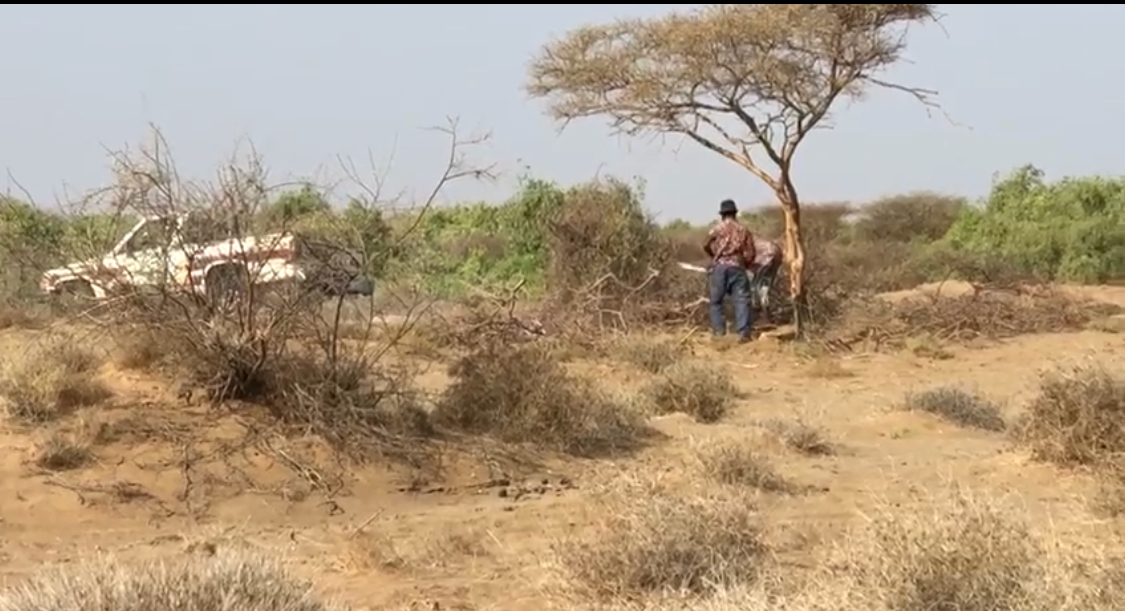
point(171, 477)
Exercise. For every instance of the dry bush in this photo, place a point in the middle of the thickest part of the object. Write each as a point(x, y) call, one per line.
point(1078, 417)
point(983, 314)
point(522, 394)
point(609, 265)
point(802, 437)
point(649, 355)
point(52, 378)
point(60, 452)
point(970, 554)
point(221, 582)
point(703, 392)
point(650, 541)
point(360, 407)
point(959, 406)
point(736, 463)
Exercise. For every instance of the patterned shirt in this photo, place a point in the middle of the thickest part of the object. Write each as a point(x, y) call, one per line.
point(730, 243)
point(766, 252)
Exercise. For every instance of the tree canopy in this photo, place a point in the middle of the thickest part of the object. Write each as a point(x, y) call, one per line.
point(730, 76)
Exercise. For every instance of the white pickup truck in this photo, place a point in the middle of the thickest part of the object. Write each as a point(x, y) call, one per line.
point(181, 253)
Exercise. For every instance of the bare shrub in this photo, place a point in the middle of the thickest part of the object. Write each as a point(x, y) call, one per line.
point(254, 307)
point(522, 394)
point(736, 463)
point(1078, 417)
point(958, 406)
point(651, 542)
point(199, 582)
point(50, 379)
point(60, 452)
point(651, 356)
point(702, 392)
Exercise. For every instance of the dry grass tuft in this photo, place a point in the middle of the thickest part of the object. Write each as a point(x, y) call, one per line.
point(702, 392)
point(1078, 418)
point(50, 380)
point(958, 406)
point(198, 582)
point(735, 463)
point(62, 453)
point(651, 356)
point(653, 542)
point(522, 394)
point(802, 437)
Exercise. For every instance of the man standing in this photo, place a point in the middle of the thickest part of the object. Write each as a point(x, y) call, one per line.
point(767, 262)
point(731, 248)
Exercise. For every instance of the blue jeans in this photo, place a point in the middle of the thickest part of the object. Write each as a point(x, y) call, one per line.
point(730, 280)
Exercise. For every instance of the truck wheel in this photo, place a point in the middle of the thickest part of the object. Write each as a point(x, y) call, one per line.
point(225, 286)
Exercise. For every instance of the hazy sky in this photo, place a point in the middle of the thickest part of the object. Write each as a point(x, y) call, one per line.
point(306, 83)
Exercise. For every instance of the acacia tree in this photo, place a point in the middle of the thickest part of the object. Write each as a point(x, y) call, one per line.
point(746, 81)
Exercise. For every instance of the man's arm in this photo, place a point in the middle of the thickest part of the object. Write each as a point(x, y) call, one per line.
point(707, 244)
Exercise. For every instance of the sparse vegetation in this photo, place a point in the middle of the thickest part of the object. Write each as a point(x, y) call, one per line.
point(736, 463)
point(226, 580)
point(55, 376)
point(522, 394)
point(959, 406)
point(968, 553)
point(650, 542)
point(802, 437)
point(60, 452)
point(702, 392)
point(651, 356)
point(1078, 417)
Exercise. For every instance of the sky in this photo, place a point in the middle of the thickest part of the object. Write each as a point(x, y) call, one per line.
point(310, 85)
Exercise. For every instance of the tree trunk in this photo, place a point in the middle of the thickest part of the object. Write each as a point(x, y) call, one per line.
point(794, 256)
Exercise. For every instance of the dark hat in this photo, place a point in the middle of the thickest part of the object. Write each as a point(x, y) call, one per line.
point(727, 207)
